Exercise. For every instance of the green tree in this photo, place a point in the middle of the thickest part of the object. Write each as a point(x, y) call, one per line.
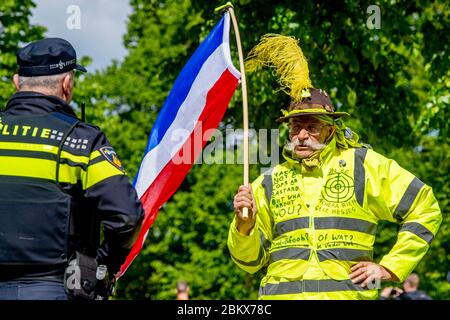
point(15, 30)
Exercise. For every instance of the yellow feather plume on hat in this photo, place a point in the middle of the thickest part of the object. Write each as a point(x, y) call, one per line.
point(284, 55)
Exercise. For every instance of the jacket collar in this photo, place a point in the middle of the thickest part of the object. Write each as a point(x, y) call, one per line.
point(24, 102)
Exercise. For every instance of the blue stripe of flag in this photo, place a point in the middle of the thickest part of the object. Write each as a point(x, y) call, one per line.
point(183, 84)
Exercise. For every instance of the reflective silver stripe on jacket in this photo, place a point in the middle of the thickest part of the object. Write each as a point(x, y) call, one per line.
point(419, 230)
point(291, 225)
point(301, 286)
point(352, 224)
point(408, 198)
point(359, 174)
point(345, 254)
point(267, 184)
point(290, 253)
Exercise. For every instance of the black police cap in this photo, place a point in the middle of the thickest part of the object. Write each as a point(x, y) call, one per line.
point(46, 57)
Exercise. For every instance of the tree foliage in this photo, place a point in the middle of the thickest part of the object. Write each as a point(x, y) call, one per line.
point(15, 29)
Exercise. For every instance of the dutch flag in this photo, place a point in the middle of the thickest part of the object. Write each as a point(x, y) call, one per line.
point(195, 105)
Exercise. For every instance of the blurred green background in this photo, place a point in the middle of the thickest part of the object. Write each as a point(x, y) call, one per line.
point(393, 80)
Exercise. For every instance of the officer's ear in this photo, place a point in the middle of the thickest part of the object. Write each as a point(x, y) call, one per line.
point(16, 81)
point(67, 87)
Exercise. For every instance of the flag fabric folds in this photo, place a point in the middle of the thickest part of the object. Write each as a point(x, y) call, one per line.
point(195, 105)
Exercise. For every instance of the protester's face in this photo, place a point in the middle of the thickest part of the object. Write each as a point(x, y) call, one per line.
point(307, 135)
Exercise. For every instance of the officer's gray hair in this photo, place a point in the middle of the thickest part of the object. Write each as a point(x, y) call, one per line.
point(50, 82)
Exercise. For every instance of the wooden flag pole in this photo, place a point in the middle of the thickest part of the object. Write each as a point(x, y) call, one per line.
point(229, 8)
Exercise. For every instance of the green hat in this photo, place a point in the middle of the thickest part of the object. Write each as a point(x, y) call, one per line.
point(314, 102)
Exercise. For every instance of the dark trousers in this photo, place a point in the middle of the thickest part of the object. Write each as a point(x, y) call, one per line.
point(32, 290)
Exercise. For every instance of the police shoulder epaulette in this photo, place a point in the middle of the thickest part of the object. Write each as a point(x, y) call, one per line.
point(65, 117)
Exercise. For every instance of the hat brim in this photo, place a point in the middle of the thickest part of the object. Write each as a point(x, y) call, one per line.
point(334, 115)
point(79, 67)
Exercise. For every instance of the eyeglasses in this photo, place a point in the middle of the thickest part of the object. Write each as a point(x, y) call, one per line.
point(313, 129)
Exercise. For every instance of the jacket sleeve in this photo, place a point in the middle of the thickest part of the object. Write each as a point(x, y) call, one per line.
point(115, 203)
point(251, 252)
point(404, 199)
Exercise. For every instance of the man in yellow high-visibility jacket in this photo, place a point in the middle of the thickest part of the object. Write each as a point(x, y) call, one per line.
point(312, 219)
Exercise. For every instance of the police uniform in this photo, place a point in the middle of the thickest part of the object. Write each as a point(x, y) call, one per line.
point(60, 180)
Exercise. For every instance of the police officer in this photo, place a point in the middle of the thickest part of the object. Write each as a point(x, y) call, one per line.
point(60, 181)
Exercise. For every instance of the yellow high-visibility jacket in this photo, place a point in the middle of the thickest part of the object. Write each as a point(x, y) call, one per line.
point(313, 225)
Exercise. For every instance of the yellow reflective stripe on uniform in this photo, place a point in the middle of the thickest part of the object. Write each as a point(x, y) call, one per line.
point(345, 254)
point(419, 230)
point(95, 154)
point(19, 146)
point(28, 147)
point(290, 253)
point(74, 158)
point(327, 285)
point(352, 224)
point(69, 174)
point(359, 174)
point(291, 225)
point(38, 168)
point(408, 198)
point(98, 172)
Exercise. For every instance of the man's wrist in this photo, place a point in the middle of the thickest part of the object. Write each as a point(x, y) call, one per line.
point(392, 276)
point(244, 231)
